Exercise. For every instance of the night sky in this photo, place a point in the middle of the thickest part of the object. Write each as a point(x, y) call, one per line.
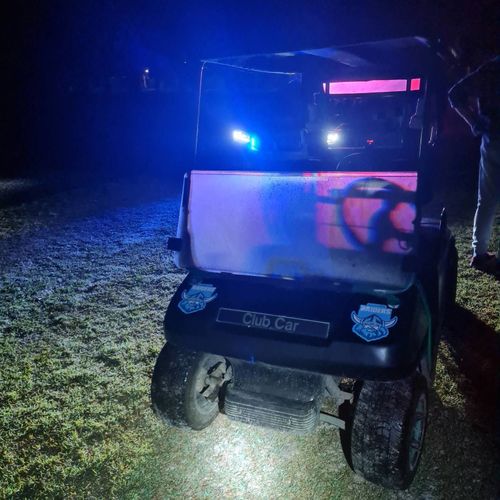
point(112, 36)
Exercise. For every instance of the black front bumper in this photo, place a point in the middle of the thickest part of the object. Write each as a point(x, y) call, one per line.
point(247, 318)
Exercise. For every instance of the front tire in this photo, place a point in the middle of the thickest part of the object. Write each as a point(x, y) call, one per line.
point(449, 293)
point(387, 431)
point(185, 387)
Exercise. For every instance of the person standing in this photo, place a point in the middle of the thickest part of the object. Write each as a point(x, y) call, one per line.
point(476, 98)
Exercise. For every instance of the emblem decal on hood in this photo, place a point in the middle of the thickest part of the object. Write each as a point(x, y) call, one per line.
point(196, 298)
point(372, 321)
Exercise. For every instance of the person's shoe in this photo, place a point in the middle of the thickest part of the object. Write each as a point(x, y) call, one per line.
point(486, 262)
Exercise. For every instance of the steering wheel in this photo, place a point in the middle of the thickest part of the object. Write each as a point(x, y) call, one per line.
point(380, 224)
point(350, 161)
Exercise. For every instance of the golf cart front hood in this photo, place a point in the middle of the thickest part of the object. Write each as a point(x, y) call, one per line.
point(340, 332)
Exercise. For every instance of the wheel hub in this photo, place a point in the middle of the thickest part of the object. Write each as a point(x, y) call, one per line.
point(211, 380)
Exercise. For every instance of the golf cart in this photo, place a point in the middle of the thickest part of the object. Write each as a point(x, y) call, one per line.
point(316, 290)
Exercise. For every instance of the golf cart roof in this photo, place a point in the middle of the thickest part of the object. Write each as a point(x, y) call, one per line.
point(397, 55)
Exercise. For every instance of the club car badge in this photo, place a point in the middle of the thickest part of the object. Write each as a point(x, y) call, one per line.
point(196, 298)
point(372, 322)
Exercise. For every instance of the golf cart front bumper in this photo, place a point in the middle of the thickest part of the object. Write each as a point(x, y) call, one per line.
point(376, 336)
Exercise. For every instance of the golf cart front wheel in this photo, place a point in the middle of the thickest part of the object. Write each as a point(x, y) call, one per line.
point(388, 429)
point(449, 288)
point(185, 387)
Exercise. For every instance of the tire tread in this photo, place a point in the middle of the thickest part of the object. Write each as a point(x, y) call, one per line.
point(378, 433)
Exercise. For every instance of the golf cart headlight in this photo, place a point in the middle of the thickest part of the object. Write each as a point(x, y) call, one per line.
point(241, 137)
point(332, 138)
point(251, 141)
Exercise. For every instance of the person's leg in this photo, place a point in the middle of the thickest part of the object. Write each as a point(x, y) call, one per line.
point(487, 196)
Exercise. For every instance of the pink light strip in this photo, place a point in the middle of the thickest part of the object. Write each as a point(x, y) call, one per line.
point(334, 173)
point(368, 87)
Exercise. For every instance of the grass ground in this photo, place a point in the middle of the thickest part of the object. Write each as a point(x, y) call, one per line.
point(85, 280)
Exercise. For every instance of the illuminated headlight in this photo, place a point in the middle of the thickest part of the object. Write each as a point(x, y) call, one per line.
point(241, 137)
point(251, 141)
point(332, 138)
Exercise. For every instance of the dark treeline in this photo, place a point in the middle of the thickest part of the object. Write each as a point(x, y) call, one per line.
point(101, 133)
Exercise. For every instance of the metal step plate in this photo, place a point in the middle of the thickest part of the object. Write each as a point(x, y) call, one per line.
point(270, 411)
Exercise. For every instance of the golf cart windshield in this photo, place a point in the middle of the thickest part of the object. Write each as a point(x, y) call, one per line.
point(355, 227)
point(324, 109)
point(308, 165)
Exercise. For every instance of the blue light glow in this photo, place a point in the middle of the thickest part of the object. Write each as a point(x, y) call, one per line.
point(254, 143)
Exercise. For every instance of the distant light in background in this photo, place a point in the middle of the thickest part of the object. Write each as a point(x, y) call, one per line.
point(146, 80)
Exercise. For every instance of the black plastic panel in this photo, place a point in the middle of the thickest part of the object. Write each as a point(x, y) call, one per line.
point(341, 352)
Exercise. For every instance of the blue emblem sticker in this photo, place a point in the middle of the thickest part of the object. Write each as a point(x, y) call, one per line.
point(196, 298)
point(372, 322)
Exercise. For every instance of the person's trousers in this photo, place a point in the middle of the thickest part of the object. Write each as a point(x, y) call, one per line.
point(488, 195)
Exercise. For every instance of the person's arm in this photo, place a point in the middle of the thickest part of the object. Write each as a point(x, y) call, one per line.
point(460, 96)
point(477, 122)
